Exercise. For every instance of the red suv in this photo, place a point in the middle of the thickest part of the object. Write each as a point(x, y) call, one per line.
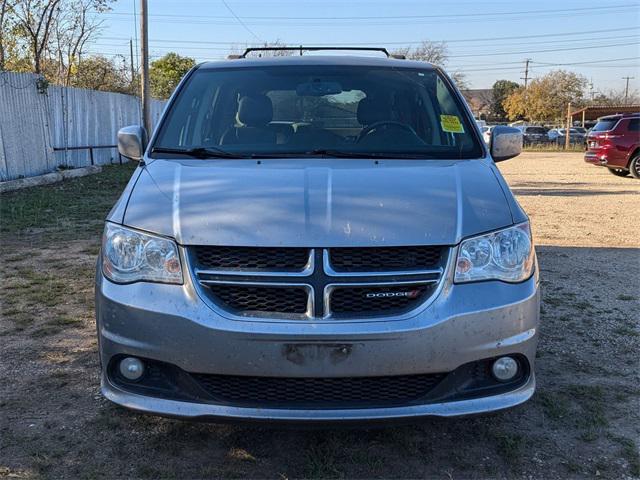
point(615, 143)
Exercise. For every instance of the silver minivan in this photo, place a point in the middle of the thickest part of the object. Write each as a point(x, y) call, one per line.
point(317, 238)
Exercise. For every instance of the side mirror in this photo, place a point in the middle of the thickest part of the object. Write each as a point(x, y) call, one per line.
point(132, 141)
point(506, 143)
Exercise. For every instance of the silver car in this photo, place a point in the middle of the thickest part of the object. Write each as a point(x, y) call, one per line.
point(317, 238)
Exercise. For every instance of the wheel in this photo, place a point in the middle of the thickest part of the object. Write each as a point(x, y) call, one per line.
point(634, 166)
point(619, 172)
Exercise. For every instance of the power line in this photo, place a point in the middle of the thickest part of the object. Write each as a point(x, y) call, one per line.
point(240, 21)
point(218, 45)
point(348, 23)
point(494, 67)
point(543, 51)
point(409, 42)
point(588, 61)
point(394, 17)
point(475, 54)
point(518, 62)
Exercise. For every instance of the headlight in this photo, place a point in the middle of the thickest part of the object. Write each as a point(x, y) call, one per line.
point(131, 256)
point(506, 255)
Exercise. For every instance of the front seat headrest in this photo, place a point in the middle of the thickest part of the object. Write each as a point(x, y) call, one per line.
point(255, 111)
point(372, 110)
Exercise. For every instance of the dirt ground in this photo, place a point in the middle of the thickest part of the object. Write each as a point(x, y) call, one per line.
point(582, 422)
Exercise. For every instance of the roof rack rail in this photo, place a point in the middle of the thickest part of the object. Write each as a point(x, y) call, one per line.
point(302, 49)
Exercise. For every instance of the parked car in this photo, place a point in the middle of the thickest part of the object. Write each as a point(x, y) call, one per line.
point(370, 264)
point(534, 135)
point(553, 135)
point(558, 135)
point(486, 133)
point(615, 143)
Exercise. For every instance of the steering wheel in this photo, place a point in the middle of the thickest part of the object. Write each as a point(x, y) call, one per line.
point(385, 125)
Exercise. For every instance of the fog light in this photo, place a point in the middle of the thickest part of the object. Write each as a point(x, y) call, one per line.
point(131, 368)
point(504, 369)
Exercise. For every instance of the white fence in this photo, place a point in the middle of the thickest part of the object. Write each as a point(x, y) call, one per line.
point(37, 125)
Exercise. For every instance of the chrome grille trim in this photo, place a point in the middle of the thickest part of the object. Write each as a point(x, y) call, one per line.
point(318, 281)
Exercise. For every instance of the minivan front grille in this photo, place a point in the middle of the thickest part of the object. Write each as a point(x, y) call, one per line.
point(384, 259)
point(326, 392)
point(372, 300)
point(315, 283)
point(255, 299)
point(251, 258)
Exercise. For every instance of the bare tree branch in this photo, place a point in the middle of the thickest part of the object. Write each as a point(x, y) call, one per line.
point(56, 32)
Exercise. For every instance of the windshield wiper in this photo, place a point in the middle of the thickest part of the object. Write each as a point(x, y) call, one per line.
point(198, 152)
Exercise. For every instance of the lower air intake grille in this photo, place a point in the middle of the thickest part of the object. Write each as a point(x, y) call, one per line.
point(372, 300)
point(247, 299)
point(251, 258)
point(342, 392)
point(381, 259)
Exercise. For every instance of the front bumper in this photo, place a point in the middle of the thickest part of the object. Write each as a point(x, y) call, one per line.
point(171, 323)
point(207, 412)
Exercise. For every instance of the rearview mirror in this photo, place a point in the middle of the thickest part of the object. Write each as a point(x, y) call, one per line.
point(132, 141)
point(506, 143)
point(318, 89)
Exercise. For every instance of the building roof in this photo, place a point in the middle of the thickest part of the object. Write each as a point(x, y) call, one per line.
point(594, 112)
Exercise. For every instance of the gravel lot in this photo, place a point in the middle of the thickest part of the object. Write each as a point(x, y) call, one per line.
point(582, 422)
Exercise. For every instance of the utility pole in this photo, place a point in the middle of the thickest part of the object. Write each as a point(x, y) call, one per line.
point(133, 71)
point(526, 82)
point(144, 68)
point(626, 88)
point(566, 136)
point(526, 73)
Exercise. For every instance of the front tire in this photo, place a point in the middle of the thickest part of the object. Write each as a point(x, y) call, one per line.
point(619, 172)
point(634, 167)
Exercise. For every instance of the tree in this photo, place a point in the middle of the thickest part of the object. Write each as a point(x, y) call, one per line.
point(616, 97)
point(34, 20)
point(101, 73)
point(547, 97)
point(501, 90)
point(47, 36)
point(72, 31)
point(3, 23)
point(239, 49)
point(166, 72)
point(432, 52)
point(436, 53)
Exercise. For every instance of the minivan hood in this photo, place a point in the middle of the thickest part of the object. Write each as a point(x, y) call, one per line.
point(317, 202)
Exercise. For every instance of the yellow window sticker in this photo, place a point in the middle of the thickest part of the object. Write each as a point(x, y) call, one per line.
point(451, 123)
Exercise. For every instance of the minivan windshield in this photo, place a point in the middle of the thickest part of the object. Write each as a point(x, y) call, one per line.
point(317, 110)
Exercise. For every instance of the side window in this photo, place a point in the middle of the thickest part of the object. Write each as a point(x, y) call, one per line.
point(451, 118)
point(634, 125)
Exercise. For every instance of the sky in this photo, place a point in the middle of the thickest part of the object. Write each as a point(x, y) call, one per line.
point(487, 40)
